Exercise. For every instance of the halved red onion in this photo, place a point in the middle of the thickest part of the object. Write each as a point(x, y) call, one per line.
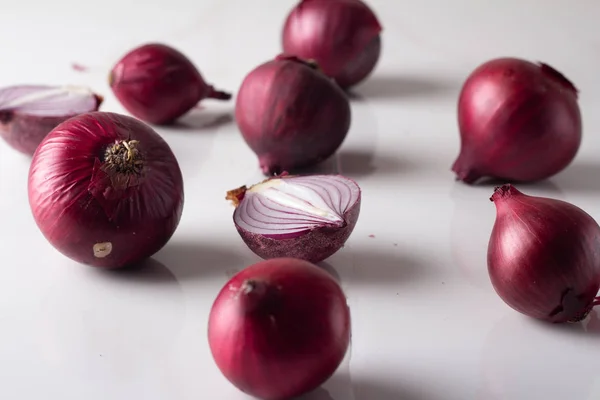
point(307, 217)
point(29, 112)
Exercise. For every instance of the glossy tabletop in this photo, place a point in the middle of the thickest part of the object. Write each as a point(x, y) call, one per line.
point(426, 322)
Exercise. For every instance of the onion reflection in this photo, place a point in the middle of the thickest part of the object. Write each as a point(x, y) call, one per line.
point(525, 359)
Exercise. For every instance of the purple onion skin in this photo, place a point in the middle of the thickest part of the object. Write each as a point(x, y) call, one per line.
point(283, 337)
point(518, 122)
point(313, 246)
point(544, 256)
point(159, 84)
point(291, 115)
point(78, 202)
point(24, 132)
point(343, 38)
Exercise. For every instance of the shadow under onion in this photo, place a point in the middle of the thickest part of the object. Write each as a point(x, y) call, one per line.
point(396, 86)
point(203, 120)
point(378, 268)
point(196, 260)
point(544, 187)
point(355, 163)
point(148, 272)
point(362, 388)
point(580, 176)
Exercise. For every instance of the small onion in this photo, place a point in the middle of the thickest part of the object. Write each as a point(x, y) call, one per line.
point(105, 190)
point(291, 115)
point(29, 112)
point(544, 256)
point(342, 36)
point(279, 328)
point(158, 84)
point(518, 121)
point(305, 217)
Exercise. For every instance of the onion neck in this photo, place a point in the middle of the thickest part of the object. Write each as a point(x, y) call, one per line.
point(122, 162)
point(236, 195)
point(217, 94)
point(464, 172)
point(559, 78)
point(504, 192)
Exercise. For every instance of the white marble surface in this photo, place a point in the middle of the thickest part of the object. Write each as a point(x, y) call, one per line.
point(426, 322)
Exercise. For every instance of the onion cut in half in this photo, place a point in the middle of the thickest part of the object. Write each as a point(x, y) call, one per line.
point(29, 112)
point(306, 217)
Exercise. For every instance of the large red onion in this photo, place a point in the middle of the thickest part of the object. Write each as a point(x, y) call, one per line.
point(305, 217)
point(291, 115)
point(342, 36)
point(518, 121)
point(105, 190)
point(29, 112)
point(544, 256)
point(158, 84)
point(279, 328)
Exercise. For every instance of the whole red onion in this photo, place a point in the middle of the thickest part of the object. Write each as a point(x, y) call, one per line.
point(544, 256)
point(305, 217)
point(279, 328)
point(342, 36)
point(158, 84)
point(29, 112)
point(291, 115)
point(105, 190)
point(518, 121)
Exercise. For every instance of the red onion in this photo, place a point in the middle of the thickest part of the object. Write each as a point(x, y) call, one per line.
point(544, 256)
point(29, 112)
point(305, 217)
point(158, 84)
point(342, 36)
point(105, 190)
point(518, 121)
point(291, 115)
point(279, 328)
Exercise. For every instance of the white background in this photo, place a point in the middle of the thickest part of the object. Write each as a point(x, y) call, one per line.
point(427, 324)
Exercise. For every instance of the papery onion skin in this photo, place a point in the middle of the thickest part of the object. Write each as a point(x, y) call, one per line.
point(88, 210)
point(291, 115)
point(279, 328)
point(518, 122)
point(544, 256)
point(342, 36)
point(314, 245)
point(158, 84)
point(24, 132)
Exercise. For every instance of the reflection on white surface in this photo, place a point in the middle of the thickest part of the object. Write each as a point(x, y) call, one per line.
point(472, 223)
point(427, 324)
point(111, 325)
point(522, 356)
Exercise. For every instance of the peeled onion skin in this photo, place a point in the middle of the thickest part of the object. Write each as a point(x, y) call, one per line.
point(158, 84)
point(314, 246)
point(279, 328)
point(544, 256)
point(291, 115)
point(342, 36)
point(24, 132)
point(518, 122)
point(91, 212)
